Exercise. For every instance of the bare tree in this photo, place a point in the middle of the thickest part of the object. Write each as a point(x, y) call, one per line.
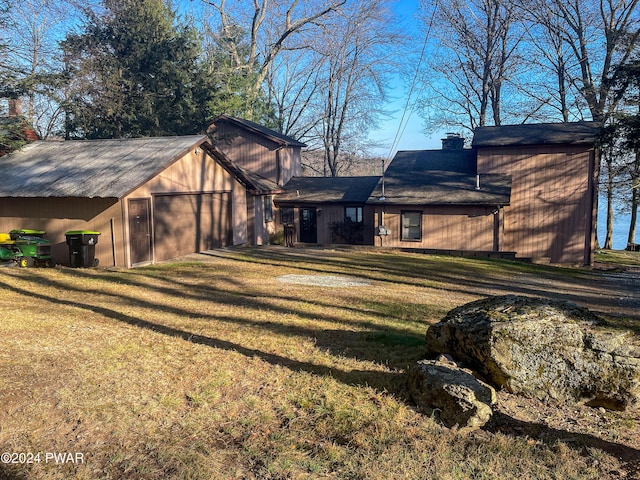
point(358, 53)
point(34, 28)
point(293, 83)
point(476, 55)
point(548, 56)
point(271, 27)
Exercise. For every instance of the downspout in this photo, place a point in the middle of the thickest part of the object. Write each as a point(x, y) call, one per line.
point(497, 227)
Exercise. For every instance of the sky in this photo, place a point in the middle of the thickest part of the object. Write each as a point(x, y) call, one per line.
point(410, 128)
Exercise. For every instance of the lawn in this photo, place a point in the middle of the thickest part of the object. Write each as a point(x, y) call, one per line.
point(225, 369)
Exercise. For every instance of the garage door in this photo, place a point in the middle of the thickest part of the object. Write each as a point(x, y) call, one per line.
point(186, 224)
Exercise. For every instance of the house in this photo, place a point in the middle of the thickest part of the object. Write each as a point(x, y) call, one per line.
point(554, 172)
point(14, 128)
point(151, 198)
point(254, 148)
point(525, 190)
point(320, 205)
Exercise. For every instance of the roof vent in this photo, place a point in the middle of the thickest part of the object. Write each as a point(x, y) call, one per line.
point(453, 141)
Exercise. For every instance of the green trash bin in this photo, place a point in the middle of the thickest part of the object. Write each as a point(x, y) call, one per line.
point(82, 248)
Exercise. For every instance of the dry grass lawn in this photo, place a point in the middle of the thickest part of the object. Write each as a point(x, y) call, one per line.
point(217, 369)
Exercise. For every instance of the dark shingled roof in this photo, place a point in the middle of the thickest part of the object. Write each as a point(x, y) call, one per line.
point(301, 190)
point(443, 188)
point(455, 160)
point(574, 133)
point(274, 136)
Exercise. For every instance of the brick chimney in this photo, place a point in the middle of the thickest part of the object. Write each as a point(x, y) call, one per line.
point(453, 142)
point(15, 107)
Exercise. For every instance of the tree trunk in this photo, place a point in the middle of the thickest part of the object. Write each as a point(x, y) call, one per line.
point(608, 241)
point(635, 198)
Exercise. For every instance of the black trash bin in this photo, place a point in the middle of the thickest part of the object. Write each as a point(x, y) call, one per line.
point(82, 248)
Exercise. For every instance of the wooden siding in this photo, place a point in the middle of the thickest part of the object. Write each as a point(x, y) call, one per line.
point(328, 214)
point(448, 228)
point(550, 216)
point(59, 215)
point(258, 154)
point(200, 179)
point(195, 172)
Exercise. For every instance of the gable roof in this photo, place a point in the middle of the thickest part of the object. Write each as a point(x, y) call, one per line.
point(300, 190)
point(104, 168)
point(253, 182)
point(89, 168)
point(570, 133)
point(272, 135)
point(443, 188)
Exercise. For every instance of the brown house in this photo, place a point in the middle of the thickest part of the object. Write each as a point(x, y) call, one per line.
point(151, 198)
point(525, 190)
point(319, 205)
point(554, 170)
point(254, 148)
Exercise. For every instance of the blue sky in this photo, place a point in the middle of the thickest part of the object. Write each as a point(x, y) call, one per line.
point(412, 136)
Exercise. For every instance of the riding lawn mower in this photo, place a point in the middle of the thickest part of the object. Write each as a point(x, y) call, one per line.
point(27, 248)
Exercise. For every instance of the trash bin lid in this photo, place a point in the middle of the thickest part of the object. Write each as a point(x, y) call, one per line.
point(82, 232)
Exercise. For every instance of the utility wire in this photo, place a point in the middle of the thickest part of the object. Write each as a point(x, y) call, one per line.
point(401, 127)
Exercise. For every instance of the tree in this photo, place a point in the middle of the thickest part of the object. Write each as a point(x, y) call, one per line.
point(271, 28)
point(477, 45)
point(625, 127)
point(133, 72)
point(34, 28)
point(357, 54)
point(230, 82)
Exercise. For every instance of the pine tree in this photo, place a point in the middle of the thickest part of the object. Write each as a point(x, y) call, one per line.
point(133, 72)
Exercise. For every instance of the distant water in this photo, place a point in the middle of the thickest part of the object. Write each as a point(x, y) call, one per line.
point(620, 226)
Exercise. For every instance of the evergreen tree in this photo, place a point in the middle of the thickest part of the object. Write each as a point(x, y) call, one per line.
point(133, 72)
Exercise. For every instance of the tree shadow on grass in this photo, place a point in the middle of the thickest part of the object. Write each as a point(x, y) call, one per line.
point(8, 473)
point(604, 293)
point(385, 381)
point(378, 345)
point(510, 426)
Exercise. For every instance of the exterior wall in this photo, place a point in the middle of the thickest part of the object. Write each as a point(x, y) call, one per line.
point(290, 163)
point(263, 228)
point(552, 200)
point(443, 227)
point(241, 217)
point(196, 172)
point(327, 214)
point(59, 215)
point(257, 153)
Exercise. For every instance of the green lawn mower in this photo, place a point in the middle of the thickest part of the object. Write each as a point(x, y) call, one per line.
point(27, 248)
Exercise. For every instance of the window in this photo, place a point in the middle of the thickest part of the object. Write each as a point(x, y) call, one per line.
point(286, 215)
point(268, 209)
point(353, 214)
point(411, 226)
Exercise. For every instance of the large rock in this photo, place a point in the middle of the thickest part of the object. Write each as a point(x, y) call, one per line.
point(543, 348)
point(452, 395)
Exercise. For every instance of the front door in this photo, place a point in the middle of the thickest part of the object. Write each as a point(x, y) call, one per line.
point(140, 230)
point(308, 225)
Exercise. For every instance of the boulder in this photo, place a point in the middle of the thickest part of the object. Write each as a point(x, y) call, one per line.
point(451, 394)
point(544, 349)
